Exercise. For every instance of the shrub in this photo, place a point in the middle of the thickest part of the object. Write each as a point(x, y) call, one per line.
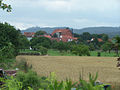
point(23, 65)
point(29, 79)
point(81, 50)
point(42, 50)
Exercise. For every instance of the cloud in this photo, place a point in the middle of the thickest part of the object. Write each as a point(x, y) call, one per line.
point(72, 13)
point(69, 5)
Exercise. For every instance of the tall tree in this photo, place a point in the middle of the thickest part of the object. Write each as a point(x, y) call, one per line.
point(107, 46)
point(8, 34)
point(24, 42)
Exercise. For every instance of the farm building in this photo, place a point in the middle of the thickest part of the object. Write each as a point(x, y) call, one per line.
point(64, 35)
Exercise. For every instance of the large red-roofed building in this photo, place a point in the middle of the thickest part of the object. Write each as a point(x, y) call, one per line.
point(64, 35)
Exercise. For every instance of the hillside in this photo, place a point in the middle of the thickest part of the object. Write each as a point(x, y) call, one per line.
point(111, 31)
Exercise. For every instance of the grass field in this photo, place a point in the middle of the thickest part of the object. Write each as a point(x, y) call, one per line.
point(57, 53)
point(72, 66)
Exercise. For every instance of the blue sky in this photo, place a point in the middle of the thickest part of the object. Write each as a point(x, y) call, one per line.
point(70, 13)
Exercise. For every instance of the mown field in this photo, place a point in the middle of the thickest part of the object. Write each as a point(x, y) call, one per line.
point(72, 66)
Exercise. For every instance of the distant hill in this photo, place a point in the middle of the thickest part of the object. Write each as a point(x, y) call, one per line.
point(47, 29)
point(111, 31)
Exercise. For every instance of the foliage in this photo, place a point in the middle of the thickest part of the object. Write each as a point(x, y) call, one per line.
point(31, 81)
point(62, 46)
point(107, 46)
point(86, 38)
point(42, 50)
point(116, 43)
point(42, 41)
point(7, 51)
point(81, 50)
point(23, 65)
point(9, 36)
point(24, 42)
point(5, 6)
point(7, 63)
point(38, 33)
point(91, 85)
point(12, 84)
point(91, 47)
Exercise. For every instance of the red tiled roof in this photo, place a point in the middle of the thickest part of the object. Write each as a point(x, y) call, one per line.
point(100, 40)
point(48, 36)
point(29, 34)
point(63, 32)
point(66, 35)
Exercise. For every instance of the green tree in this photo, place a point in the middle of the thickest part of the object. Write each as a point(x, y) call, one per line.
point(81, 50)
point(42, 41)
point(91, 47)
point(62, 46)
point(116, 43)
point(24, 42)
point(38, 33)
point(8, 34)
point(5, 6)
point(107, 46)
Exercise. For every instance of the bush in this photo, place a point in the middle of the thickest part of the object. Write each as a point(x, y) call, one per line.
point(23, 65)
point(7, 63)
point(42, 50)
point(30, 81)
point(81, 50)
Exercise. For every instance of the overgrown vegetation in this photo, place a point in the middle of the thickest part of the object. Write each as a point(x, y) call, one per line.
point(31, 81)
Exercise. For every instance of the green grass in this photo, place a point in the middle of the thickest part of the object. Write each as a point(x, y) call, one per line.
point(28, 51)
point(57, 53)
point(103, 54)
point(52, 52)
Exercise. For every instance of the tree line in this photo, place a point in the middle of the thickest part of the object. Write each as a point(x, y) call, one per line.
point(13, 40)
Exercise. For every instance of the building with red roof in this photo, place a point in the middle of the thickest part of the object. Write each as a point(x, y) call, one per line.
point(29, 35)
point(64, 35)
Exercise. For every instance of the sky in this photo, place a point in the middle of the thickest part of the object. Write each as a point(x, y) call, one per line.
point(62, 13)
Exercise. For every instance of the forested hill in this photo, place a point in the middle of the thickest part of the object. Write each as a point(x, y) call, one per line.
point(47, 29)
point(111, 31)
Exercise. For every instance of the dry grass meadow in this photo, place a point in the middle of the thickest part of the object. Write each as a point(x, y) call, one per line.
point(72, 66)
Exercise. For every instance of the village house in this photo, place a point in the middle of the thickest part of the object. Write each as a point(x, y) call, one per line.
point(65, 35)
point(29, 35)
